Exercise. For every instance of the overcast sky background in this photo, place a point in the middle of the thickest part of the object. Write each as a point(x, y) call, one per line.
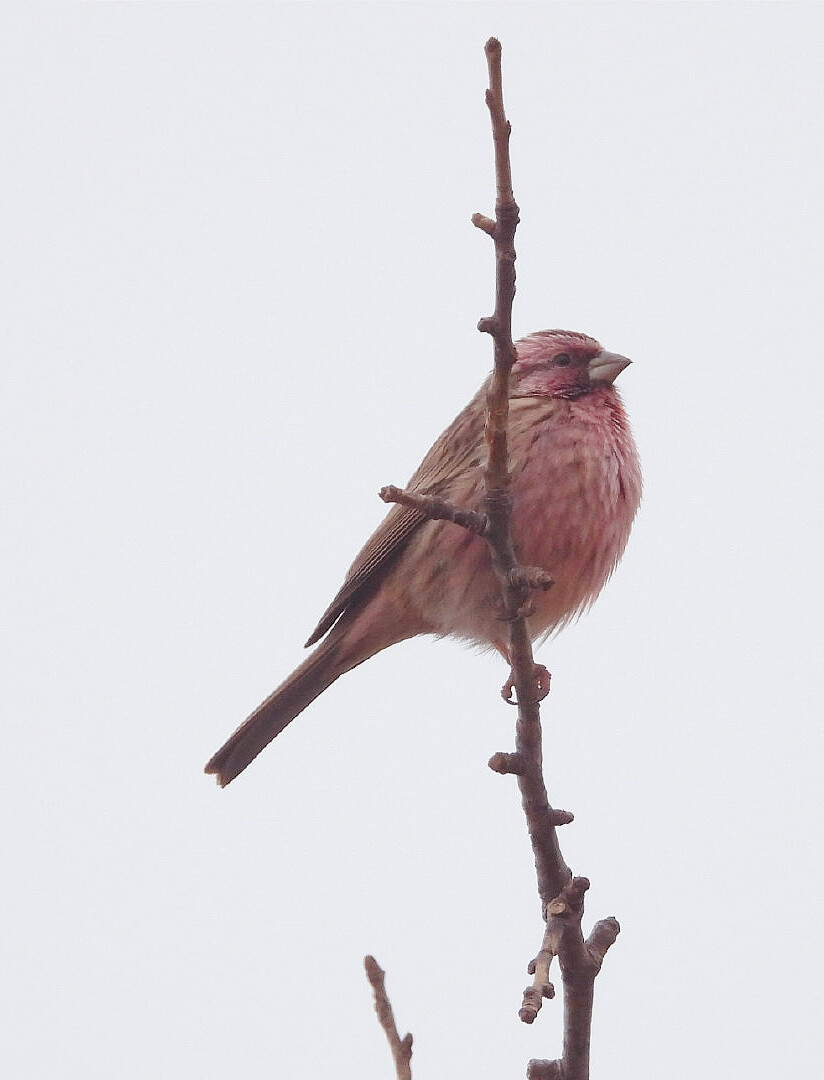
point(241, 289)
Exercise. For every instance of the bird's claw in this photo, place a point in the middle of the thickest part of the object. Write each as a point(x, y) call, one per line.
point(541, 683)
point(523, 612)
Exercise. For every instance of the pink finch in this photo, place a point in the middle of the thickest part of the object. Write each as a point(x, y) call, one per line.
point(576, 485)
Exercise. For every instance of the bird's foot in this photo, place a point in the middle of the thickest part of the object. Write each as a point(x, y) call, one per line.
point(523, 612)
point(541, 680)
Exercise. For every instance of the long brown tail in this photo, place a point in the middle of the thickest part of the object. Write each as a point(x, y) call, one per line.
point(315, 674)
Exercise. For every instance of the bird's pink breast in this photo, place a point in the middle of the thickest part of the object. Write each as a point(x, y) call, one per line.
point(574, 500)
point(576, 486)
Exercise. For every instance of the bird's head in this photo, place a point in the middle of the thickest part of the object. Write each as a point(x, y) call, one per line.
point(562, 364)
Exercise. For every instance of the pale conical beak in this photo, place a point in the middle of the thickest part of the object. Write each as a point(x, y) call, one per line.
point(607, 366)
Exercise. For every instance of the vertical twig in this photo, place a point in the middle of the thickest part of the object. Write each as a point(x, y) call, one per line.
point(562, 896)
point(401, 1047)
point(552, 871)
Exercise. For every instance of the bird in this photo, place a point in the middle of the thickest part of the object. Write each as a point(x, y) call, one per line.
point(575, 488)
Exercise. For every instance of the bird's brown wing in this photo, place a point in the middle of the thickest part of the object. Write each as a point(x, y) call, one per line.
point(454, 452)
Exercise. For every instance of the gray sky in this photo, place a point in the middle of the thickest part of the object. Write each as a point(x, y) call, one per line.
point(241, 294)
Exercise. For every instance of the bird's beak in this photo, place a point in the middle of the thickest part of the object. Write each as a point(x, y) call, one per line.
point(607, 366)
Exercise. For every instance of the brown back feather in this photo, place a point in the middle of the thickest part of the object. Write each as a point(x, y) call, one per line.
point(460, 448)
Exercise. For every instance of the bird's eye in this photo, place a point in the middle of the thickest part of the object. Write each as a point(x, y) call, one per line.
point(563, 360)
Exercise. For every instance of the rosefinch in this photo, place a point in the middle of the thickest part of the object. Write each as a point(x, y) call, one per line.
point(576, 485)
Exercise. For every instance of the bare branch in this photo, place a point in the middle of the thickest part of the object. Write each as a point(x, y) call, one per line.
point(507, 764)
point(562, 896)
point(516, 581)
point(580, 961)
point(485, 224)
point(541, 986)
point(544, 1070)
point(436, 508)
point(529, 577)
point(401, 1047)
point(603, 936)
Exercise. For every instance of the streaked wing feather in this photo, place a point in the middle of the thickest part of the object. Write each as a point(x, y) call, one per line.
point(459, 447)
point(386, 541)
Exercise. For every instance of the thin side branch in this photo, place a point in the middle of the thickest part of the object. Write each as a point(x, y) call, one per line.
point(541, 987)
point(544, 1070)
point(401, 1047)
point(436, 509)
point(529, 577)
point(580, 961)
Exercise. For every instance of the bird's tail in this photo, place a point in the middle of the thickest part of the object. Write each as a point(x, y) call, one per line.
point(318, 671)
